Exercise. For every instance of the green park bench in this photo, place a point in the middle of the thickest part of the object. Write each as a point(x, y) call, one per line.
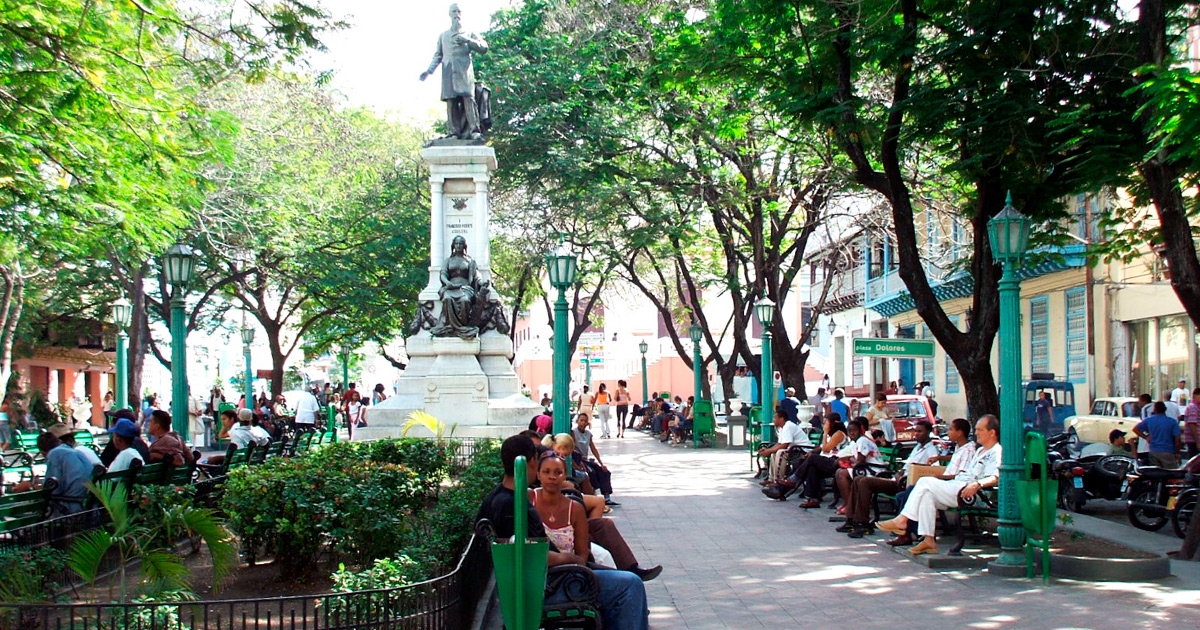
point(20, 509)
point(25, 441)
point(523, 579)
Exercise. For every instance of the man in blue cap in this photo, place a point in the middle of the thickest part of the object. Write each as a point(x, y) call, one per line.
point(124, 432)
point(110, 452)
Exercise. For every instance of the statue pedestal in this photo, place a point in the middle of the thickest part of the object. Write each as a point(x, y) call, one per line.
point(466, 384)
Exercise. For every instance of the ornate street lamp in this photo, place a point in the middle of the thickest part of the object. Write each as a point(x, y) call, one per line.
point(643, 346)
point(765, 310)
point(832, 326)
point(247, 339)
point(562, 267)
point(179, 263)
point(122, 316)
point(1008, 233)
point(696, 333)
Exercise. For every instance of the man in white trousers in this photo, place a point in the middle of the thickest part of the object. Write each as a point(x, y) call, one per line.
point(931, 494)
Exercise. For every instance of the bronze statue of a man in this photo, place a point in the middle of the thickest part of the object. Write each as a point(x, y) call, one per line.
point(455, 49)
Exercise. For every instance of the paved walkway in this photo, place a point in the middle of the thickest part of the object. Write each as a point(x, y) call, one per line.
point(733, 559)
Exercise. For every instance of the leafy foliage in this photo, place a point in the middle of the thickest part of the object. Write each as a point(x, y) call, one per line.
point(30, 575)
point(141, 534)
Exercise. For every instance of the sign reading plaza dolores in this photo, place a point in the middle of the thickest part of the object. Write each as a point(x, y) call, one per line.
point(903, 348)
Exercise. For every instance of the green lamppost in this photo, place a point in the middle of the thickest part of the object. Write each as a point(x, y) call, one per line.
point(587, 366)
point(1008, 233)
point(247, 339)
point(562, 268)
point(696, 333)
point(765, 309)
point(122, 315)
point(643, 346)
point(179, 263)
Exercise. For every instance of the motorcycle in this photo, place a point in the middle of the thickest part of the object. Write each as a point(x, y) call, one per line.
point(1083, 477)
point(1153, 494)
point(1185, 507)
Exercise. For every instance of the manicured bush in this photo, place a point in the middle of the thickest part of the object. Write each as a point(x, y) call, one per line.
point(292, 506)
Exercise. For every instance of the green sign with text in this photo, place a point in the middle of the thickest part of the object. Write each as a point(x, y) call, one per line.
point(900, 348)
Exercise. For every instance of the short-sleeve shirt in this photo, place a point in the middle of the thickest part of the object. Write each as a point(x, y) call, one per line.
point(1191, 418)
point(1162, 431)
point(875, 416)
point(840, 408)
point(583, 441)
point(921, 454)
point(71, 469)
point(124, 459)
point(793, 433)
point(306, 409)
point(867, 447)
point(984, 463)
point(171, 449)
point(961, 459)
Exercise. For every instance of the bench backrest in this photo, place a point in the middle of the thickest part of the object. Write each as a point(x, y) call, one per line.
point(275, 449)
point(257, 454)
point(25, 440)
point(20, 509)
point(150, 474)
point(237, 457)
point(84, 438)
point(180, 475)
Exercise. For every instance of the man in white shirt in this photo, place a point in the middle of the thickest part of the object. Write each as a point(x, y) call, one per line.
point(123, 433)
point(240, 434)
point(864, 488)
point(1179, 395)
point(931, 495)
point(306, 412)
point(787, 434)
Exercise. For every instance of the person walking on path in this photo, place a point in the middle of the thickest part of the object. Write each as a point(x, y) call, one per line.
point(603, 410)
point(622, 399)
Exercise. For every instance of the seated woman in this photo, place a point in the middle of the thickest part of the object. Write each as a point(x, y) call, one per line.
point(822, 462)
point(564, 445)
point(566, 525)
point(865, 452)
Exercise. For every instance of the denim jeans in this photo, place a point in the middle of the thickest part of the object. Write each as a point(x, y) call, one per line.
point(622, 600)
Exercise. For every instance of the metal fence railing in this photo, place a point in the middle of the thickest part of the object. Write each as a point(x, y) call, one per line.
point(447, 601)
point(464, 451)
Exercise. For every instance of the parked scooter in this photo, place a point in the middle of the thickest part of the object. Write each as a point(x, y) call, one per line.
point(1083, 477)
point(1153, 494)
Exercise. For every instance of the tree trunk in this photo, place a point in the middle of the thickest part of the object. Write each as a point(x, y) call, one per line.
point(1162, 174)
point(12, 300)
point(139, 335)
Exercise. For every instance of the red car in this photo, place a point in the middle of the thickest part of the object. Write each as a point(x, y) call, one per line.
point(905, 410)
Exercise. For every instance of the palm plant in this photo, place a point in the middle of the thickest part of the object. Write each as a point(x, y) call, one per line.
point(139, 535)
point(424, 419)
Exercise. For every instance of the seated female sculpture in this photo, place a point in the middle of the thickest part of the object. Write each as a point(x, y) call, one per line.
point(460, 286)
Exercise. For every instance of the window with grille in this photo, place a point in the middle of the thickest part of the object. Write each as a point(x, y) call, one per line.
point(1076, 335)
point(952, 384)
point(856, 365)
point(1039, 334)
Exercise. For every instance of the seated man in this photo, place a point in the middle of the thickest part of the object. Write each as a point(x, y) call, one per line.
point(864, 454)
point(67, 436)
point(124, 432)
point(167, 446)
point(864, 488)
point(242, 435)
point(787, 434)
point(69, 467)
point(622, 594)
point(964, 451)
point(931, 495)
point(110, 451)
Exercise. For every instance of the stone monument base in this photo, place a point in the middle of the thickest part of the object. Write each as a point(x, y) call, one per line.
point(467, 384)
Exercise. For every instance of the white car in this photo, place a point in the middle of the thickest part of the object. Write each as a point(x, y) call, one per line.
point(1116, 412)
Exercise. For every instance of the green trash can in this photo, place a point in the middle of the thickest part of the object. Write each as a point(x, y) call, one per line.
point(521, 565)
point(1038, 499)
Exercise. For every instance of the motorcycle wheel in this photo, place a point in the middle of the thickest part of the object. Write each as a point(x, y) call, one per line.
point(1150, 520)
point(1185, 509)
point(1066, 495)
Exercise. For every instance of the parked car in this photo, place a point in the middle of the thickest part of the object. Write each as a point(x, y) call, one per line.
point(905, 410)
point(1116, 412)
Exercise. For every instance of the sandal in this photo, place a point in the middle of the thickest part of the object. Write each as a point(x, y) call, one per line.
point(607, 509)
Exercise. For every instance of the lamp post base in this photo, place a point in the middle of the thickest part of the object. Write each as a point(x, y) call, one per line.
point(1002, 569)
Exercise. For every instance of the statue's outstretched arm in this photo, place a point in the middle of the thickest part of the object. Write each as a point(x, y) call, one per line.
point(437, 60)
